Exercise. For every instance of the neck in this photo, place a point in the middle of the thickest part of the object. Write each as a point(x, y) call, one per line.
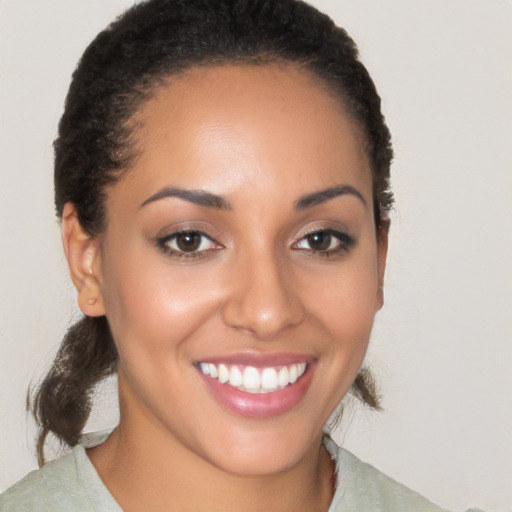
point(154, 471)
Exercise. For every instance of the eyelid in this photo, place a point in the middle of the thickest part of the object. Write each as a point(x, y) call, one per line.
point(346, 241)
point(163, 243)
point(174, 236)
point(186, 226)
point(333, 227)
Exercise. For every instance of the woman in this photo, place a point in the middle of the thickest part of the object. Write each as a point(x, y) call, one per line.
point(222, 179)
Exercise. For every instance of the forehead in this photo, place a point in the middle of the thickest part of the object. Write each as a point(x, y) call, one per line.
point(256, 126)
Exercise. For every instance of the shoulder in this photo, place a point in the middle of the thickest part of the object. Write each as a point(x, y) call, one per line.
point(53, 488)
point(360, 486)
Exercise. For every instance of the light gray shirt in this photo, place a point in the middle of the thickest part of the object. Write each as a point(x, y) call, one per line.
point(71, 484)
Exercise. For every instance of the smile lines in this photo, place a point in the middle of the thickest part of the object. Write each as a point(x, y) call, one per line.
point(254, 380)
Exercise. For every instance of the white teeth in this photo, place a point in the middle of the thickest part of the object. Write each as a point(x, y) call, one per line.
point(293, 373)
point(205, 368)
point(212, 370)
point(235, 377)
point(223, 373)
point(282, 377)
point(254, 380)
point(251, 378)
point(269, 379)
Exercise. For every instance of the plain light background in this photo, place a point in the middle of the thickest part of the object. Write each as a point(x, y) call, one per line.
point(441, 347)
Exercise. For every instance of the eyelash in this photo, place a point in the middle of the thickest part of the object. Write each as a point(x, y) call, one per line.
point(164, 243)
point(345, 243)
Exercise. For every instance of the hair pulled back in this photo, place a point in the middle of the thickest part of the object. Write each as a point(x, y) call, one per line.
point(117, 73)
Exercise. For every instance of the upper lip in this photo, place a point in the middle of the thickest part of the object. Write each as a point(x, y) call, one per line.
point(259, 359)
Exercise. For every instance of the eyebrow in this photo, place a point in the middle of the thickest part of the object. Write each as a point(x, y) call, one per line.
point(199, 197)
point(322, 196)
point(202, 198)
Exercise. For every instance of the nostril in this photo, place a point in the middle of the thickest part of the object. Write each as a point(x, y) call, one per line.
point(263, 319)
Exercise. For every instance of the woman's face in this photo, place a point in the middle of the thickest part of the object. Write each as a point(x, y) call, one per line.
point(241, 246)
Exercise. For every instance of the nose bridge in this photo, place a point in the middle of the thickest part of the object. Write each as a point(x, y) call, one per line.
point(261, 297)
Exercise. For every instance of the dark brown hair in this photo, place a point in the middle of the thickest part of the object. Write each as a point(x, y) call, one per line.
point(117, 73)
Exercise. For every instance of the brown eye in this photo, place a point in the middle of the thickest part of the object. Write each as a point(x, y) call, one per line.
point(320, 241)
point(325, 242)
point(188, 242)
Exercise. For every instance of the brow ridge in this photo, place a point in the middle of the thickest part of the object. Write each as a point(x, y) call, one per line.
point(322, 196)
point(199, 197)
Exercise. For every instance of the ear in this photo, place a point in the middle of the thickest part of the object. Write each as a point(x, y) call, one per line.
point(84, 261)
point(382, 253)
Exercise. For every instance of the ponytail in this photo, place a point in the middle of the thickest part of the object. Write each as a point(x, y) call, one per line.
point(63, 401)
point(365, 389)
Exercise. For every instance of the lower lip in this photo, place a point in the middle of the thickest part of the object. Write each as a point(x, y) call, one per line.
point(260, 405)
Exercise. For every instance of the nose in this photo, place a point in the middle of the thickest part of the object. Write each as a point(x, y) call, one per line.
point(262, 298)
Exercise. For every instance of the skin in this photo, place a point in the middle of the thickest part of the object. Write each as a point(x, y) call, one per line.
point(261, 138)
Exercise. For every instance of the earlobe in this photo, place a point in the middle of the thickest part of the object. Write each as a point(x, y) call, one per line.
point(84, 262)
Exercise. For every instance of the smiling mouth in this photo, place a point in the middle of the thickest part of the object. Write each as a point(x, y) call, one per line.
point(254, 380)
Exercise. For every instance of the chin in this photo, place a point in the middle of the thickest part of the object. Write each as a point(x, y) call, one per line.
point(263, 451)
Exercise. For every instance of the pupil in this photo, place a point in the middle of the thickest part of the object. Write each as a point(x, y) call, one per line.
point(188, 242)
point(319, 241)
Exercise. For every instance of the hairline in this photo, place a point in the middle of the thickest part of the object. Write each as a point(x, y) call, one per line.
point(132, 123)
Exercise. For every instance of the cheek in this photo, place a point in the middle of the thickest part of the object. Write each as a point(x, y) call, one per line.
point(347, 299)
point(345, 305)
point(152, 305)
